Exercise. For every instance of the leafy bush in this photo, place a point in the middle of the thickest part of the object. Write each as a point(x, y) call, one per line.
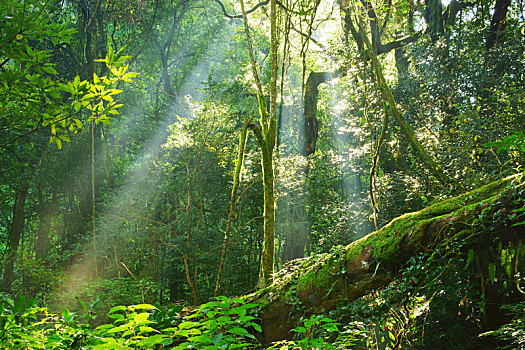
point(220, 324)
point(514, 331)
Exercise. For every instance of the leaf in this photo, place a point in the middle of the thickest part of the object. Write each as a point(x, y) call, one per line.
point(141, 318)
point(118, 329)
point(156, 339)
point(146, 329)
point(470, 258)
point(67, 316)
point(142, 307)
point(299, 330)
point(238, 331)
point(216, 338)
point(188, 324)
point(49, 70)
point(80, 301)
point(117, 308)
point(492, 272)
point(255, 326)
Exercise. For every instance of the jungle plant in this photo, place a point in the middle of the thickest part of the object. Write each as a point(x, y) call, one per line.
point(314, 333)
point(514, 331)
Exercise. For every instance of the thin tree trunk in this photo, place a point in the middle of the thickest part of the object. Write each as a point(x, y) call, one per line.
point(16, 233)
point(266, 137)
point(106, 157)
point(233, 201)
point(190, 281)
point(418, 148)
point(93, 206)
point(268, 251)
point(42, 240)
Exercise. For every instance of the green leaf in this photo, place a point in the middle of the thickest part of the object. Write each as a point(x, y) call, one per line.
point(492, 272)
point(146, 329)
point(255, 326)
point(216, 338)
point(118, 329)
point(299, 330)
point(49, 70)
point(117, 308)
point(143, 307)
point(238, 331)
point(470, 258)
point(188, 324)
point(141, 318)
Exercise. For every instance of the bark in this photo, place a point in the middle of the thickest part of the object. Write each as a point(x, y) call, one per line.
point(350, 30)
point(16, 233)
point(233, 201)
point(93, 197)
point(322, 283)
point(418, 148)
point(297, 238)
point(311, 124)
point(44, 225)
point(497, 24)
point(106, 158)
point(269, 128)
point(268, 251)
point(266, 134)
point(434, 18)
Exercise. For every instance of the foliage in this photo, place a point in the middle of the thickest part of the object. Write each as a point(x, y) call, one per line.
point(514, 331)
point(164, 155)
point(219, 324)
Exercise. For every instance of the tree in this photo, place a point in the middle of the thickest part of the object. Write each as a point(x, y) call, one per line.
point(373, 262)
point(266, 135)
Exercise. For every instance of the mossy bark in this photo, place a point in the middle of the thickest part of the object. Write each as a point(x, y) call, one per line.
point(323, 282)
point(233, 200)
point(266, 134)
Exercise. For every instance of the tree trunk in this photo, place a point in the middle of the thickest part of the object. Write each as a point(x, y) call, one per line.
point(266, 134)
point(418, 148)
point(497, 24)
point(311, 124)
point(93, 198)
point(233, 201)
point(16, 233)
point(268, 251)
point(44, 225)
point(321, 284)
point(434, 18)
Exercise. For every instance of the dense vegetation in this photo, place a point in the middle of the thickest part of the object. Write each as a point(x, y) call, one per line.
point(278, 174)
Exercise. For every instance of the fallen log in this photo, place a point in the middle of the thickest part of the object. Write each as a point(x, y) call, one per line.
point(321, 283)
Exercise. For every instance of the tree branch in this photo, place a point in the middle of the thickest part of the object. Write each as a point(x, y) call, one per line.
point(397, 43)
point(253, 9)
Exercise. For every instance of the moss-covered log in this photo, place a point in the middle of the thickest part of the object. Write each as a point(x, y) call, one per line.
point(320, 283)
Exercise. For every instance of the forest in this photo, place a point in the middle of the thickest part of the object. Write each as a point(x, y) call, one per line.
point(262, 174)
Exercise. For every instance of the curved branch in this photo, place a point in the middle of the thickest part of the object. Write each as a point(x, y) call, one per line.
point(262, 3)
point(253, 9)
point(258, 133)
point(397, 43)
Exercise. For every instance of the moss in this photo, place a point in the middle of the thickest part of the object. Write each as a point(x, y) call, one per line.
point(320, 275)
point(465, 199)
point(387, 240)
point(313, 277)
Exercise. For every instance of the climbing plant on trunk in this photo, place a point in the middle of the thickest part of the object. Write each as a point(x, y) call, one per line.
point(266, 133)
